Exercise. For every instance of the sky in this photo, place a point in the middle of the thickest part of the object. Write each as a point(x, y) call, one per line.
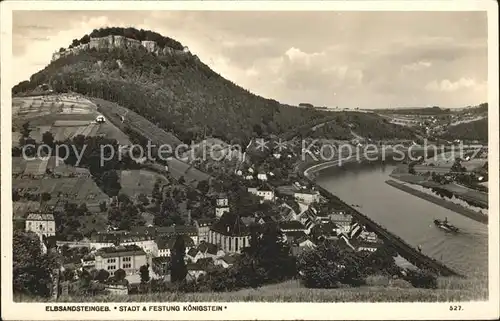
point(328, 58)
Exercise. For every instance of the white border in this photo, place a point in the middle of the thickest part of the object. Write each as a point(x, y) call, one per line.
point(269, 311)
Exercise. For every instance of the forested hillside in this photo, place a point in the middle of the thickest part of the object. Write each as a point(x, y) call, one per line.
point(475, 130)
point(179, 94)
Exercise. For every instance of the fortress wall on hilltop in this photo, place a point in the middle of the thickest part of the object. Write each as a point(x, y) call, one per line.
point(115, 41)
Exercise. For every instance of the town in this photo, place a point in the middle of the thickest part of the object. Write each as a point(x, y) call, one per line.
point(243, 201)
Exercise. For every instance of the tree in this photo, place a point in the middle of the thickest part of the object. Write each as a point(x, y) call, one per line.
point(110, 183)
point(32, 271)
point(15, 196)
point(144, 272)
point(25, 130)
point(178, 265)
point(143, 199)
point(273, 255)
point(102, 206)
point(69, 274)
point(45, 197)
point(381, 262)
point(102, 276)
point(204, 187)
point(422, 279)
point(329, 266)
point(156, 194)
point(120, 275)
point(182, 180)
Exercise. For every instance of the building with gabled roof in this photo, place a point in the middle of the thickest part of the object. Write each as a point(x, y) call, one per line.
point(307, 196)
point(324, 231)
point(203, 227)
point(288, 226)
point(267, 194)
point(43, 225)
point(292, 236)
point(129, 258)
point(161, 265)
point(194, 271)
point(221, 205)
point(166, 244)
point(226, 261)
point(343, 221)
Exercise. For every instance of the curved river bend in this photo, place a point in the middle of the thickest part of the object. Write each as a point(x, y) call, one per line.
point(410, 217)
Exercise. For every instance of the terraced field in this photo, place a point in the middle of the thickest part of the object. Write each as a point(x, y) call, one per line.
point(65, 116)
point(135, 182)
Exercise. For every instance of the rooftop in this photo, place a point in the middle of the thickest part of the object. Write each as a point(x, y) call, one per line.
point(229, 259)
point(169, 242)
point(128, 250)
point(40, 217)
point(230, 224)
point(209, 248)
point(161, 260)
point(340, 217)
point(204, 221)
point(192, 252)
point(291, 225)
point(194, 267)
point(295, 234)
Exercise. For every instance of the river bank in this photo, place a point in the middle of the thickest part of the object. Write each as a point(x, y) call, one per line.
point(407, 251)
point(439, 201)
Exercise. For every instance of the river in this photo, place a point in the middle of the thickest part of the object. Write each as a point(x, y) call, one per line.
point(410, 217)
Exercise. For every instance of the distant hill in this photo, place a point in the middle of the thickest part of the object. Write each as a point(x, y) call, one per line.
point(474, 130)
point(159, 79)
point(415, 111)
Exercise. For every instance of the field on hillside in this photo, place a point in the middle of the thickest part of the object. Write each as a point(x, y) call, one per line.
point(112, 132)
point(135, 182)
point(72, 189)
point(64, 115)
point(191, 175)
point(380, 289)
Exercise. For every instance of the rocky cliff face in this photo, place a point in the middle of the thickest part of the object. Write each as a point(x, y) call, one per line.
point(111, 41)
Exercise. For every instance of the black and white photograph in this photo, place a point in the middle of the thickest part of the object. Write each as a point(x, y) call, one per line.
point(196, 160)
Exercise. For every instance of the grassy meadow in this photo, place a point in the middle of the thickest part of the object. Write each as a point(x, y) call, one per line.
point(378, 289)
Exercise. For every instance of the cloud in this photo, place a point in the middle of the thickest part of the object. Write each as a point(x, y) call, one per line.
point(296, 55)
point(353, 59)
point(446, 85)
point(248, 42)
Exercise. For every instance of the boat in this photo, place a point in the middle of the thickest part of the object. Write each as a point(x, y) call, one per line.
point(444, 225)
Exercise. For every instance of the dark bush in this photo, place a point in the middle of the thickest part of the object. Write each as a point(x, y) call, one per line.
point(422, 279)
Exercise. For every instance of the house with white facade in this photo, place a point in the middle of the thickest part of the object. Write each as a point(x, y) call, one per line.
point(267, 194)
point(226, 261)
point(221, 205)
point(262, 176)
point(342, 220)
point(166, 244)
point(203, 251)
point(42, 225)
point(307, 197)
